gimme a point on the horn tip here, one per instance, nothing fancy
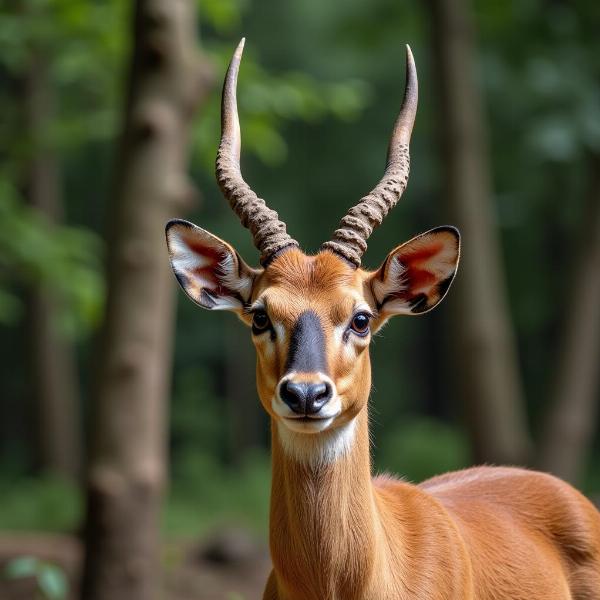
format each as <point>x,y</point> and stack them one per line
<point>410,59</point>
<point>240,47</point>
<point>411,75</point>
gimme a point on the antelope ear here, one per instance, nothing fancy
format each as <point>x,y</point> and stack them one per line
<point>416,275</point>
<point>209,270</point>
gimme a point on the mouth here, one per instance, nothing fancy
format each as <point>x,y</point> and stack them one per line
<point>307,424</point>
<point>309,418</point>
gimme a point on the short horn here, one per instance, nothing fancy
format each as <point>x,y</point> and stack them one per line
<point>268,232</point>
<point>350,239</point>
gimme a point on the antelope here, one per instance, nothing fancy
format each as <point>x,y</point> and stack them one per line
<point>336,533</point>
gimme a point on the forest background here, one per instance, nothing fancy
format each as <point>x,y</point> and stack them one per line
<point>506,147</point>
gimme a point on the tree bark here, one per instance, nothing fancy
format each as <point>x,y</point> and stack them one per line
<point>128,455</point>
<point>53,366</point>
<point>568,432</point>
<point>483,344</point>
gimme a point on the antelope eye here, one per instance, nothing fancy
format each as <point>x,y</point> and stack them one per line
<point>260,321</point>
<point>360,323</point>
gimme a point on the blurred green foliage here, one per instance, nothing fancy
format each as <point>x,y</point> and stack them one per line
<point>319,88</point>
<point>421,447</point>
<point>62,258</point>
<point>42,502</point>
<point>204,494</point>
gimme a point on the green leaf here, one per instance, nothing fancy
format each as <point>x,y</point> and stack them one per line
<point>52,582</point>
<point>23,566</point>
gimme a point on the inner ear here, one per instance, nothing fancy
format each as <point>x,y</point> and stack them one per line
<point>415,276</point>
<point>210,271</point>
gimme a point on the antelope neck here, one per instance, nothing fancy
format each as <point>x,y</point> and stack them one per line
<point>323,521</point>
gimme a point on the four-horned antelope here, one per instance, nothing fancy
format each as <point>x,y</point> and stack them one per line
<point>335,533</point>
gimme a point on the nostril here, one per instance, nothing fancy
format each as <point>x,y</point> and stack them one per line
<point>294,395</point>
<point>318,395</point>
<point>322,391</point>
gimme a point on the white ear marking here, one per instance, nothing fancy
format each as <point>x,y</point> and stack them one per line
<point>182,257</point>
<point>240,283</point>
<point>394,281</point>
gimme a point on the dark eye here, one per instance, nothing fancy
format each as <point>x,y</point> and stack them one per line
<point>260,321</point>
<point>360,323</point>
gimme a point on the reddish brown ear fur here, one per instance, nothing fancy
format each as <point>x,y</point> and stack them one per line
<point>209,270</point>
<point>415,276</point>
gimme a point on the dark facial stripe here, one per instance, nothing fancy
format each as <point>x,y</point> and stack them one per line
<point>307,345</point>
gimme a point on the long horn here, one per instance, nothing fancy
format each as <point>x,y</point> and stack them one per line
<point>350,239</point>
<point>268,232</point>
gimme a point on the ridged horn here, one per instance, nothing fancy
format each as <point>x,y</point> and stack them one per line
<point>268,232</point>
<point>350,239</point>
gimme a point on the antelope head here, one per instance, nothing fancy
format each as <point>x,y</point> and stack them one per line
<point>312,317</point>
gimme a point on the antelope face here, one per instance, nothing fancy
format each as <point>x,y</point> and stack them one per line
<point>310,326</point>
<point>312,317</point>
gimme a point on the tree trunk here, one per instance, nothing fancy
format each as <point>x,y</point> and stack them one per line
<point>53,366</point>
<point>569,430</point>
<point>127,466</point>
<point>482,339</point>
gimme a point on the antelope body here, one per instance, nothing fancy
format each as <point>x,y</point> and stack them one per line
<point>486,533</point>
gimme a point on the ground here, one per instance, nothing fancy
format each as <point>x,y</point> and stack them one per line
<point>228,565</point>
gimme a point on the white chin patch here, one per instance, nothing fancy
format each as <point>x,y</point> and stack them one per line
<point>324,446</point>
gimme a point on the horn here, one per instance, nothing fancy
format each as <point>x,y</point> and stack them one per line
<point>350,239</point>
<point>268,232</point>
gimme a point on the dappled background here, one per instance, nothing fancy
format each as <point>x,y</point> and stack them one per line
<point>506,146</point>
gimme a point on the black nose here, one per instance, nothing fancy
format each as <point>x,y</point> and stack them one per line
<point>305,398</point>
